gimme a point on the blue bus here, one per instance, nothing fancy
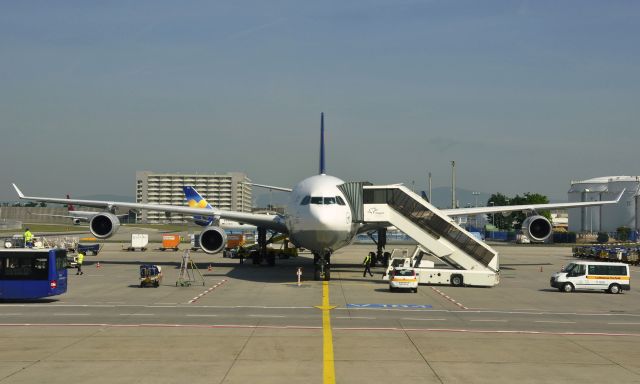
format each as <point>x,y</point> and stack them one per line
<point>30,273</point>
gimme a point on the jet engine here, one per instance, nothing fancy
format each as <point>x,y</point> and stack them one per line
<point>76,221</point>
<point>213,239</point>
<point>536,228</point>
<point>104,225</point>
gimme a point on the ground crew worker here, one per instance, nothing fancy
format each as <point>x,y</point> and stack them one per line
<point>28,238</point>
<point>79,260</point>
<point>241,254</point>
<point>367,264</point>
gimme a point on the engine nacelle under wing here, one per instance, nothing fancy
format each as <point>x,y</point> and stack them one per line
<point>536,228</point>
<point>213,239</point>
<point>104,225</point>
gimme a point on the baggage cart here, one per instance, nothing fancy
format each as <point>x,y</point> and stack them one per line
<point>170,242</point>
<point>138,241</point>
<point>195,241</point>
<point>89,248</point>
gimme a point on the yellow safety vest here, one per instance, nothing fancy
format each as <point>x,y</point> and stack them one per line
<point>28,236</point>
<point>80,258</point>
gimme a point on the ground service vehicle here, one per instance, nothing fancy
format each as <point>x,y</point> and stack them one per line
<point>150,275</point>
<point>29,273</point>
<point>593,276</point>
<point>403,278</point>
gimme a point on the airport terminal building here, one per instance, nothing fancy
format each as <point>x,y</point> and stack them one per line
<point>227,191</point>
<point>606,218</point>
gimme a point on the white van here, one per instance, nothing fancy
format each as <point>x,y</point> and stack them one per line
<point>593,276</point>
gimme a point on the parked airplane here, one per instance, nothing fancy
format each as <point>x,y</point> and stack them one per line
<point>317,217</point>
<point>78,217</point>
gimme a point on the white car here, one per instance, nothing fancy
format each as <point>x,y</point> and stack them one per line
<point>403,278</point>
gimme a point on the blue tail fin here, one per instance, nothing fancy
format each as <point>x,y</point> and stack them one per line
<point>196,201</point>
<point>322,168</point>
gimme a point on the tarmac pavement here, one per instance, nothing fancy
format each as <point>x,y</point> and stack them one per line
<point>253,323</point>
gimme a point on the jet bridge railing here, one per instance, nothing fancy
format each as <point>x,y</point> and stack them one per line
<point>429,221</point>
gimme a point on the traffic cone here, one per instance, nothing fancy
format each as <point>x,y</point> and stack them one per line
<point>98,265</point>
<point>210,268</point>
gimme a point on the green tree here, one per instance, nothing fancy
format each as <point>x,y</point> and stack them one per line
<point>514,219</point>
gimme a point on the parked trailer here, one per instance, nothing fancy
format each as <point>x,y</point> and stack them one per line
<point>170,242</point>
<point>139,241</point>
<point>89,248</point>
<point>195,241</point>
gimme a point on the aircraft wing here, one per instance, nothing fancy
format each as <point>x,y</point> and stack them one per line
<point>273,222</point>
<point>65,216</point>
<point>272,187</point>
<point>527,207</point>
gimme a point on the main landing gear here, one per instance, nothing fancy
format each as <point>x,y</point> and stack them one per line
<point>322,266</point>
<point>262,249</point>
<point>381,256</point>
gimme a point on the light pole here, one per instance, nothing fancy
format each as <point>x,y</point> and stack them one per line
<point>476,194</point>
<point>453,184</point>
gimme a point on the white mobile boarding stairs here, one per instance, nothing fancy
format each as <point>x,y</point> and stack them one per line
<point>471,261</point>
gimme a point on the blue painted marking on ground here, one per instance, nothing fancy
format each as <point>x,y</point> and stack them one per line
<point>397,306</point>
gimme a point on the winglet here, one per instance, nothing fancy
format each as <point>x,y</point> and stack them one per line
<point>20,194</point>
<point>620,195</point>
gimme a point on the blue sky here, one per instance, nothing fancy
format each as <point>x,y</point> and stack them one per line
<point>524,96</point>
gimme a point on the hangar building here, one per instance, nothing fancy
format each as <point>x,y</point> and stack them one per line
<point>606,218</point>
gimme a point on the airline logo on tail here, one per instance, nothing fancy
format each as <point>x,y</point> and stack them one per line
<point>70,207</point>
<point>194,200</point>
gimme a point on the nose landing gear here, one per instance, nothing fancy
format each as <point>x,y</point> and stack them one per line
<point>322,266</point>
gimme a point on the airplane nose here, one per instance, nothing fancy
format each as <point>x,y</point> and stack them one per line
<point>323,219</point>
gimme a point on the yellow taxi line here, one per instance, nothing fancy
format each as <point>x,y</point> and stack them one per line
<point>328,369</point>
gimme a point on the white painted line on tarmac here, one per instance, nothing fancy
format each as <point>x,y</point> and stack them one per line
<point>355,329</point>
<point>417,319</point>
<point>207,291</point>
<point>266,316</point>
<point>623,323</point>
<point>356,317</point>
<point>555,322</point>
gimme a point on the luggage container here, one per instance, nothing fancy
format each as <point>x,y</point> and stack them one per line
<point>170,242</point>
<point>139,241</point>
<point>195,241</point>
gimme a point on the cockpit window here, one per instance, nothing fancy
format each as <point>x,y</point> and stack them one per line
<point>305,200</point>
<point>340,201</point>
<point>316,200</point>
<point>329,200</point>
